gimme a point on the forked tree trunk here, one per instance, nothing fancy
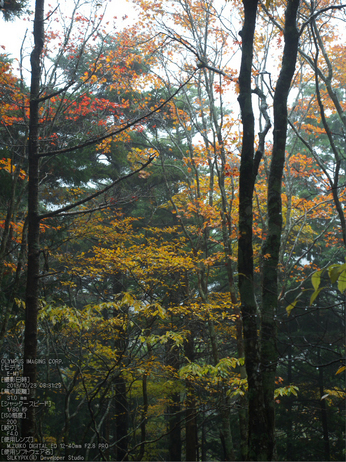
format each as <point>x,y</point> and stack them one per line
<point>271,248</point>
<point>261,354</point>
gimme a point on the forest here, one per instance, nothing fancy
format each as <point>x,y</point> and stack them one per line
<point>173,231</point>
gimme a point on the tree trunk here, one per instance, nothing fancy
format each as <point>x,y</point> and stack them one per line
<point>226,220</point>
<point>32,305</point>
<point>191,428</point>
<point>256,415</point>
<point>323,407</point>
<point>261,356</point>
<point>174,408</point>
<point>121,419</point>
<point>242,400</point>
<point>225,408</point>
<point>226,433</point>
<point>289,433</point>
<point>17,279</point>
<point>191,425</point>
<point>174,428</point>
<point>144,417</point>
<point>271,248</point>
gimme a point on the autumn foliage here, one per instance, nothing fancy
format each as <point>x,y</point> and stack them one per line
<point>139,168</point>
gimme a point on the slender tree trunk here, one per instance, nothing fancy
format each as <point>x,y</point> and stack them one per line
<point>174,428</point>
<point>7,226</point>
<point>203,438</point>
<point>121,403</point>
<point>242,400</point>
<point>225,409</point>
<point>256,416</point>
<point>191,424</point>
<point>271,248</point>
<point>121,419</point>
<point>226,220</point>
<point>226,433</point>
<point>11,298</point>
<point>144,417</point>
<point>191,428</point>
<point>32,305</point>
<point>107,435</point>
<point>174,408</point>
<point>323,407</point>
<point>289,446</point>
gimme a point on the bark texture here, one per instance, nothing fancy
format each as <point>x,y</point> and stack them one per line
<point>121,419</point>
<point>190,413</point>
<point>256,415</point>
<point>261,351</point>
<point>32,303</point>
<point>271,248</point>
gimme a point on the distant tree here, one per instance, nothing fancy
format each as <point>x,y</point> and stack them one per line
<point>12,8</point>
<point>50,102</point>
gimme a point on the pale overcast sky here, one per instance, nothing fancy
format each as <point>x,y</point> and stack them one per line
<point>12,33</point>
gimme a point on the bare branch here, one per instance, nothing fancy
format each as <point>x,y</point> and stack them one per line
<point>317,13</point>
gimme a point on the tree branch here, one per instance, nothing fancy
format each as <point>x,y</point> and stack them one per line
<point>93,196</point>
<point>119,130</point>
